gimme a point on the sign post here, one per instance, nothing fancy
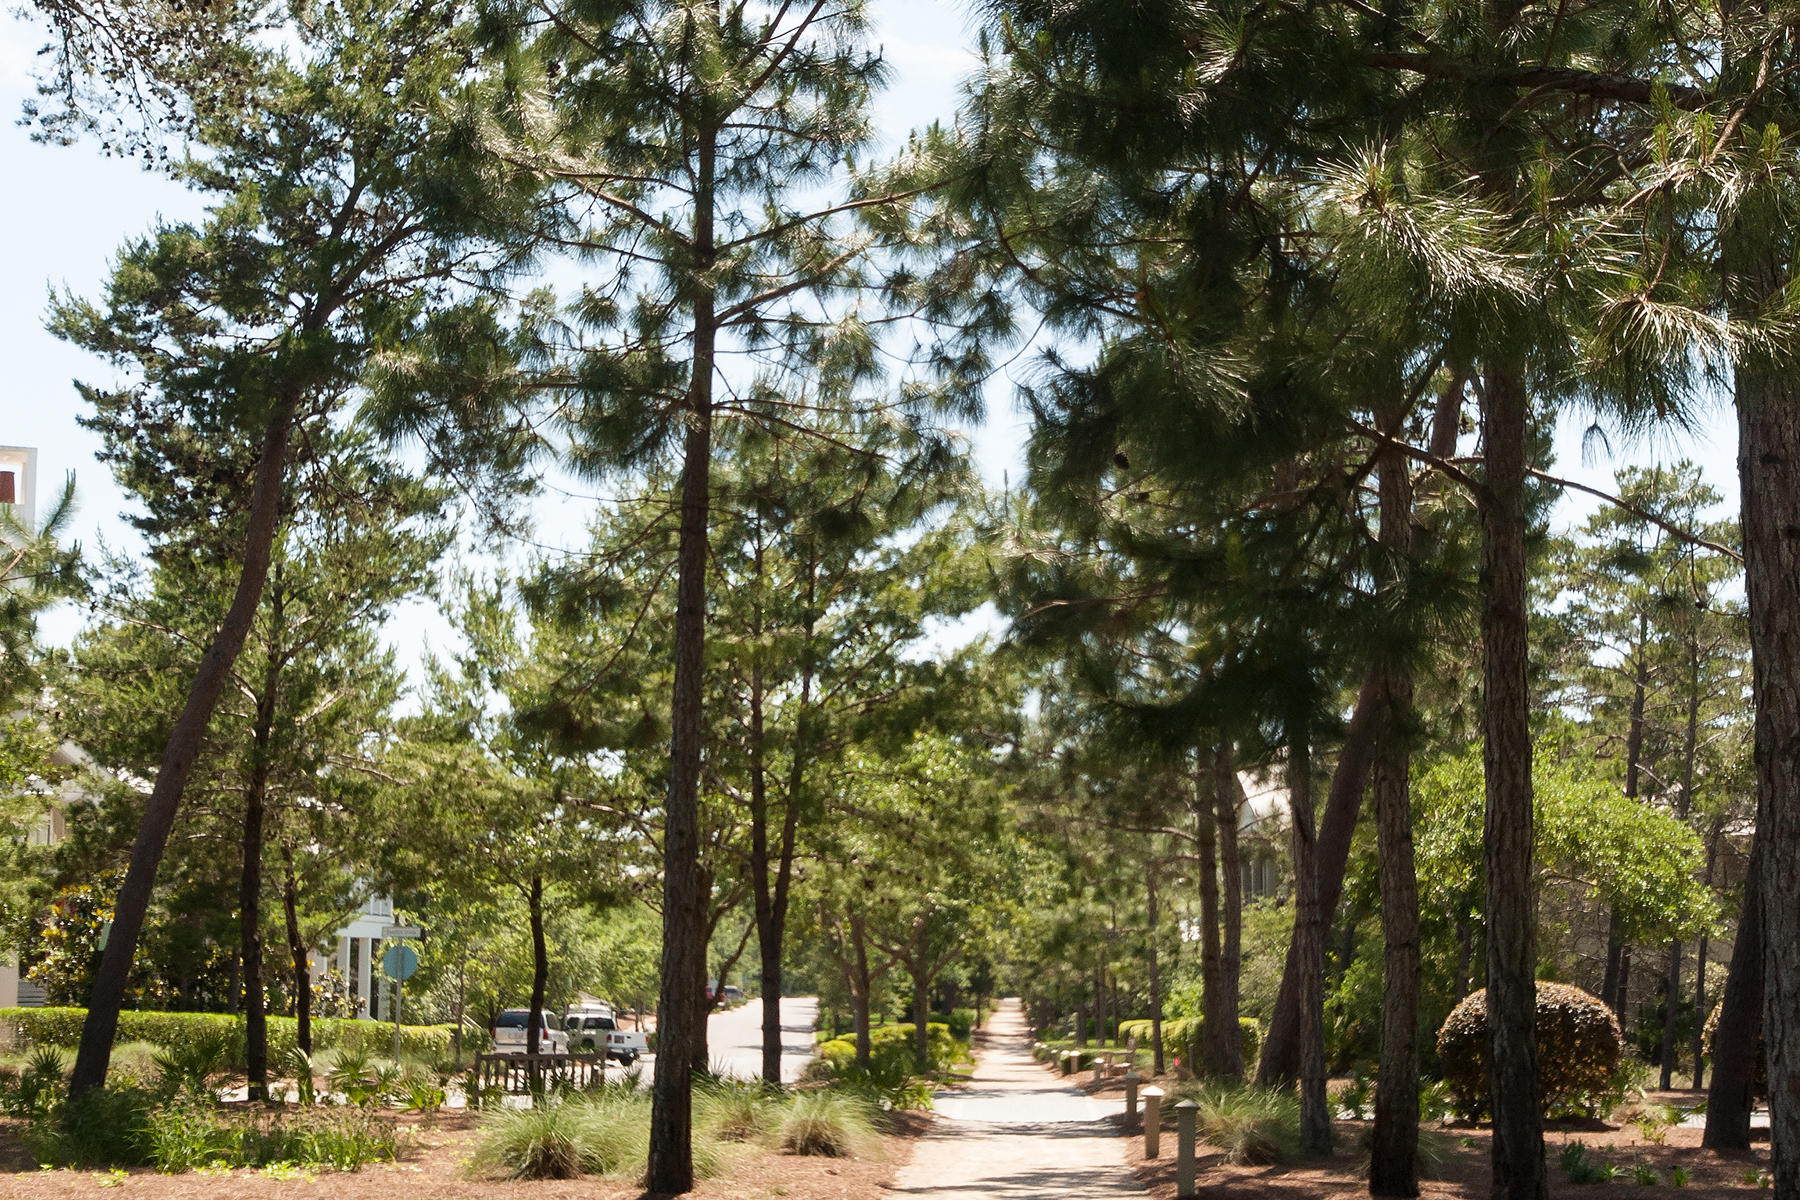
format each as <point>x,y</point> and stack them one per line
<point>399,962</point>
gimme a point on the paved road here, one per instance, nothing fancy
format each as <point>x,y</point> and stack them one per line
<point>734,1038</point>
<point>1017,1133</point>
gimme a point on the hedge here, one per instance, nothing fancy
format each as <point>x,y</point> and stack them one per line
<point>1578,1045</point>
<point>1183,1035</point>
<point>178,1030</point>
<point>891,1051</point>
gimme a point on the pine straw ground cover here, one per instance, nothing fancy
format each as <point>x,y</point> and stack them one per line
<point>431,1167</point>
<point>1464,1173</point>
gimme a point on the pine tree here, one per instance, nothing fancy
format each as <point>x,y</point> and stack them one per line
<point>685,145</point>
<point>338,211</point>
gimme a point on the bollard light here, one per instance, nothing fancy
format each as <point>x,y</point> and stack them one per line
<point>1068,1062</point>
<point>1132,1079</point>
<point>1152,1121</point>
<point>1185,1114</point>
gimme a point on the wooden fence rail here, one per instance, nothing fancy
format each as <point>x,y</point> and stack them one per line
<point>512,1072</point>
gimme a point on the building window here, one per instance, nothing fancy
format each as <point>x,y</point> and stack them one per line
<point>9,492</point>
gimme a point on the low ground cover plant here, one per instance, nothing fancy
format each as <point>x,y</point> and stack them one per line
<point>606,1131</point>
<point>1251,1125</point>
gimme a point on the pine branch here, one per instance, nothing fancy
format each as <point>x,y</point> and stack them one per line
<point>1602,85</point>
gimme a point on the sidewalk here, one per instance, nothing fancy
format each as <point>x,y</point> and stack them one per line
<point>1016,1133</point>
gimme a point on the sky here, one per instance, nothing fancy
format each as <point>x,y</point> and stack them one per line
<point>68,208</point>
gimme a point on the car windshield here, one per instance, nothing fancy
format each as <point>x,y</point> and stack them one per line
<point>516,1018</point>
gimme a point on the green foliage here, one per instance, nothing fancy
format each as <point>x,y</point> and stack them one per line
<point>1249,1124</point>
<point>178,1031</point>
<point>1182,1036</point>
<point>1581,1168</point>
<point>891,1052</point>
<point>1579,1047</point>
<point>565,1138</point>
<point>733,1110</point>
<point>188,1136</point>
<point>828,1122</point>
<point>1635,858</point>
<point>106,1127</point>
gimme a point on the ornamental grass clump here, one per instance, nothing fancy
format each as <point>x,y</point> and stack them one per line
<point>735,1111</point>
<point>606,1133</point>
<point>828,1123</point>
<point>1578,1039</point>
<point>1250,1125</point>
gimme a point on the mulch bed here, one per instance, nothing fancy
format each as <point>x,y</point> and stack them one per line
<point>1465,1175</point>
<point>431,1168</point>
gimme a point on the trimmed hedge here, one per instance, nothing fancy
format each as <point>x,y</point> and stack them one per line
<point>1182,1036</point>
<point>178,1030</point>
<point>891,1051</point>
<point>1578,1042</point>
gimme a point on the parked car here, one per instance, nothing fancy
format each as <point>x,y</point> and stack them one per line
<point>508,1031</point>
<point>591,1028</point>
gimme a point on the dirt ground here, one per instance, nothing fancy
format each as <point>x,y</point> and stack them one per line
<point>1463,1173</point>
<point>431,1168</point>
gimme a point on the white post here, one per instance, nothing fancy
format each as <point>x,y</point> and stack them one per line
<point>363,974</point>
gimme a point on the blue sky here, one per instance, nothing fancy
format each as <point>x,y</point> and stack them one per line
<point>66,210</point>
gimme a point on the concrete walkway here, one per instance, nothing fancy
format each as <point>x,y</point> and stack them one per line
<point>1016,1133</point>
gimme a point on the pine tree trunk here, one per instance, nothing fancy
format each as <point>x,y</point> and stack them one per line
<point>1768,405</point>
<point>921,984</point>
<point>301,955</point>
<point>1734,1046</point>
<point>1231,949</point>
<point>1393,1164</point>
<point>1315,1107</point>
<point>108,995</point>
<point>1609,982</point>
<point>865,996</point>
<point>1212,982</point>
<point>1670,1004</point>
<point>540,981</point>
<point>1156,998</point>
<point>1279,1064</point>
<point>1701,1009</point>
<point>681,1017</point>
<point>1514,1096</point>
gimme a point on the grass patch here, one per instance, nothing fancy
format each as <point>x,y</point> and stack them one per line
<point>834,1124</point>
<point>188,1137</point>
<point>604,1133</point>
<point>1251,1125</point>
<point>734,1111</point>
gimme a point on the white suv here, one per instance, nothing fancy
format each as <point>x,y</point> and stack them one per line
<point>510,1027</point>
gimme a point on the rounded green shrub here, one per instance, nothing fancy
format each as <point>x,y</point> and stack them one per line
<point>1578,1042</point>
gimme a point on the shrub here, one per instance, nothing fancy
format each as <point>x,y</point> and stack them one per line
<point>1578,1049</point>
<point>1182,1035</point>
<point>106,1127</point>
<point>735,1111</point>
<point>1581,1169</point>
<point>1761,1084</point>
<point>1249,1124</point>
<point>176,1030</point>
<point>606,1133</point>
<point>829,1123</point>
<point>959,1020</point>
<point>891,1052</point>
<point>188,1136</point>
